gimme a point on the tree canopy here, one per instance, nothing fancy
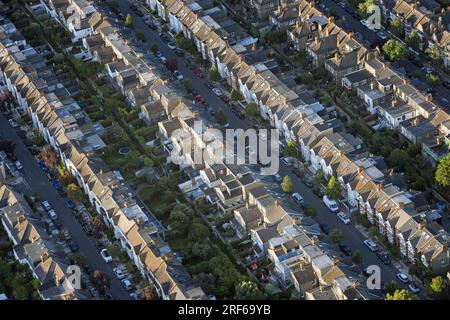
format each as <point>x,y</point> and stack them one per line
<point>394,49</point>
<point>401,294</point>
<point>286,185</point>
<point>442,175</point>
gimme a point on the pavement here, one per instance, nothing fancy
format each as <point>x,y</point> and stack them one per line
<point>38,182</point>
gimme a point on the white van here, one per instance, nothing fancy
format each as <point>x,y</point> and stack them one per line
<point>331,204</point>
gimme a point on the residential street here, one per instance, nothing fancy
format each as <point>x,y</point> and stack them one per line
<point>39,183</point>
<point>352,237</point>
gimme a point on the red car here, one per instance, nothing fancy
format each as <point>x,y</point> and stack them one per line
<point>198,72</point>
<point>225,98</point>
<point>199,99</point>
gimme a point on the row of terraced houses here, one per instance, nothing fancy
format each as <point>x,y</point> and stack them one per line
<point>66,127</point>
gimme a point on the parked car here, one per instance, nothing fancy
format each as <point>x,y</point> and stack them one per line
<point>179,52</point>
<point>297,172</point>
<point>217,91</point>
<point>69,203</point>
<point>331,204</point>
<point>162,59</point>
<point>88,229</point>
<point>308,182</point>
<point>286,161</point>
<point>106,256</point>
<point>298,198</point>
<point>382,35</point>
<point>413,288</point>
<point>371,245</point>
<point>318,191</point>
<point>46,205</point>
<point>177,74</point>
<point>134,296</point>
<point>73,246</point>
<point>325,228</point>
<point>118,273</point>
<point>52,214</point>
<point>384,257</point>
<point>127,284</point>
<point>57,223</point>
<point>13,123</point>
<point>171,45</point>
<point>277,177</point>
<point>18,165</point>
<point>344,218</point>
<point>345,249</point>
<point>209,85</point>
<point>402,277</point>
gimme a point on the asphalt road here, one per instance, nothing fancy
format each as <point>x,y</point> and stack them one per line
<point>39,183</point>
<point>352,237</point>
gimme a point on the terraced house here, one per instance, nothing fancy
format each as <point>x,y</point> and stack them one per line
<point>73,135</point>
<point>35,248</point>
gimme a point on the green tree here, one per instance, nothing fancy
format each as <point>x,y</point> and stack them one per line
<point>221,117</point>
<point>214,73</point>
<point>286,185</point>
<point>394,49</point>
<point>434,53</point>
<point>438,287</point>
<point>433,80</point>
<point>291,149</point>
<point>154,48</point>
<point>396,26</point>
<point>336,236</point>
<point>319,176</point>
<point>305,78</point>
<point>140,36</point>
<point>363,8</point>
<point>399,158</point>
<point>442,175</point>
<point>252,109</point>
<point>235,95</point>
<point>373,231</point>
<point>129,21</point>
<point>401,294</point>
<point>187,83</point>
<point>357,258</point>
<point>180,218</point>
<point>201,250</point>
<point>248,290</point>
<point>198,231</point>
<point>413,41</point>
<point>334,189</point>
<point>74,192</point>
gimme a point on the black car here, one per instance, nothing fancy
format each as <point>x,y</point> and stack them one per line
<point>345,249</point>
<point>209,85</point>
<point>88,268</point>
<point>308,182</point>
<point>179,52</point>
<point>57,223</point>
<point>318,192</point>
<point>384,257</point>
<point>297,172</point>
<point>326,229</point>
<point>446,84</point>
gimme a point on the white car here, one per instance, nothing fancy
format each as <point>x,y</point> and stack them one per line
<point>52,214</point>
<point>331,204</point>
<point>371,245</point>
<point>217,92</point>
<point>13,123</point>
<point>106,256</point>
<point>127,284</point>
<point>162,59</point>
<point>298,198</point>
<point>178,75</point>
<point>134,296</point>
<point>277,177</point>
<point>343,217</point>
<point>171,45</point>
<point>365,23</point>
<point>18,165</point>
<point>402,277</point>
<point>413,288</point>
<point>46,205</point>
<point>119,273</point>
